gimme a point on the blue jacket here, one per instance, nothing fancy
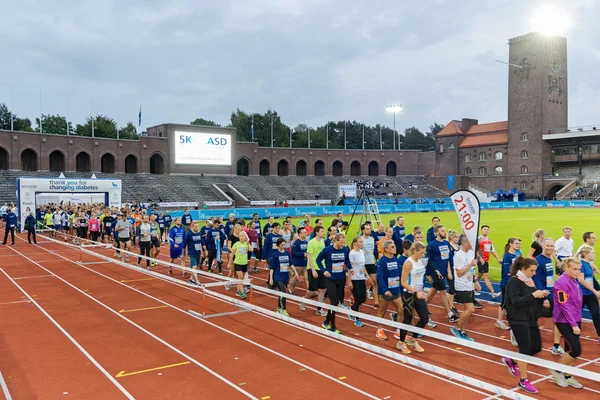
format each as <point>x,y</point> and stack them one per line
<point>335,260</point>
<point>388,275</point>
<point>298,253</point>
<point>194,243</point>
<point>10,219</point>
<point>212,235</point>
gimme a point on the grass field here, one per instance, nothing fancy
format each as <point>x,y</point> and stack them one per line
<point>503,225</point>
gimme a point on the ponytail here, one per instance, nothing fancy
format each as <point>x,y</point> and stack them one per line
<point>520,264</point>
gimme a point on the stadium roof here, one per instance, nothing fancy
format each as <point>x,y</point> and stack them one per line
<point>484,140</point>
<point>492,133</point>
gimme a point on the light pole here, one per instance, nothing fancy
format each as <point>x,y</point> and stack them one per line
<point>394,108</point>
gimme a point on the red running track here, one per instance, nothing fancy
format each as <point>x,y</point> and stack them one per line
<point>220,358</point>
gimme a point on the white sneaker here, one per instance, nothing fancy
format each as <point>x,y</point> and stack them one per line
<point>477,293</point>
<point>495,295</point>
<point>557,351</point>
<point>573,383</point>
<point>559,378</point>
<point>302,306</point>
<point>513,339</point>
<point>322,313</point>
<point>370,294</point>
<point>502,325</point>
<point>431,324</point>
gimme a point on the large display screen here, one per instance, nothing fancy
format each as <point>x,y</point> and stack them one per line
<point>202,148</point>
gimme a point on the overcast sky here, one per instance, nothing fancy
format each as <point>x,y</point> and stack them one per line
<point>311,60</point>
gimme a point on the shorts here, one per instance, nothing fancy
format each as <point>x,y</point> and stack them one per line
<point>389,298</point>
<point>465,296</point>
<point>371,269</point>
<point>437,283</point>
<point>57,227</point>
<point>123,240</point>
<point>451,288</point>
<point>547,312</point>
<point>156,242</point>
<point>316,283</point>
<point>175,253</point>
<point>241,268</point>
<point>483,268</point>
<point>194,260</point>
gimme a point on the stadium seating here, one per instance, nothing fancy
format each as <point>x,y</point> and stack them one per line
<point>198,188</point>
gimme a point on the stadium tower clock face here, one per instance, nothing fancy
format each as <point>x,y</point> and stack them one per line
<point>555,63</point>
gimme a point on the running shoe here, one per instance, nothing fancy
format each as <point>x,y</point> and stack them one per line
<point>370,294</point>
<point>335,330</point>
<point>326,325</point>
<point>476,293</point>
<point>227,286</point>
<point>477,304</point>
<point>241,295</point>
<point>322,313</point>
<point>558,378</point>
<point>502,325</point>
<point>256,270</point>
<point>415,344</point>
<point>345,306</point>
<point>397,334</point>
<point>495,295</point>
<point>380,334</point>
<point>527,386</point>
<point>512,366</point>
<point>126,258</point>
<point>513,339</point>
<point>351,317</point>
<point>453,318</point>
<point>431,324</point>
<point>573,383</point>
<point>153,263</point>
<point>467,337</point>
<point>402,347</point>
<point>283,312</point>
<point>302,307</point>
<point>358,323</point>
<point>420,335</point>
<point>456,332</point>
<point>454,310</point>
<point>170,272</point>
<point>291,291</point>
<point>557,350</point>
<point>394,316</point>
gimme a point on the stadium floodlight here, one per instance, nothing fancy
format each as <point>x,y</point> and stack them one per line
<point>550,21</point>
<point>394,108</point>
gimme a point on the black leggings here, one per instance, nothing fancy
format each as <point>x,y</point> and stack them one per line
<point>359,291</point>
<point>528,338</point>
<point>572,342</point>
<point>94,235</point>
<point>591,302</point>
<point>145,251</point>
<point>410,304</point>
<point>82,232</point>
<point>30,233</point>
<point>335,292</point>
<point>281,285</point>
<point>12,234</point>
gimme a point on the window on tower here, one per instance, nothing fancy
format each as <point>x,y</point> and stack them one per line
<point>482,171</point>
<point>468,171</point>
<point>498,170</point>
<point>482,156</point>
<point>524,155</point>
<point>498,155</point>
<point>524,137</point>
<point>523,185</point>
<point>524,169</point>
<point>468,158</point>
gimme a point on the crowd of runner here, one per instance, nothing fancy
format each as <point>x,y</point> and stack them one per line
<point>384,265</point>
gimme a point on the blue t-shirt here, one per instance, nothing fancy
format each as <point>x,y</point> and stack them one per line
<point>194,243</point>
<point>335,260</point>
<point>388,275</point>
<point>410,237</point>
<point>588,275</point>
<point>298,253</point>
<point>439,255</point>
<point>430,235</point>
<point>279,262</point>
<point>507,260</point>
<point>377,236</point>
<point>270,244</point>
<point>214,238</point>
<point>168,219</point>
<point>176,237</point>
<point>398,237</point>
<point>401,260</point>
<point>186,220</point>
<point>544,275</point>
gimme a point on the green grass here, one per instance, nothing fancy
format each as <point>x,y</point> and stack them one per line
<point>503,225</point>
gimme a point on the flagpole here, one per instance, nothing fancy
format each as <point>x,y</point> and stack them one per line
<point>307,127</point>
<point>117,120</point>
<point>11,109</point>
<point>344,135</point>
<point>272,131</point>
<point>252,128</point>
<point>380,139</point>
<point>363,136</point>
<point>92,117</point>
<point>327,137</point>
<point>41,128</point>
<point>290,137</point>
<point>67,116</point>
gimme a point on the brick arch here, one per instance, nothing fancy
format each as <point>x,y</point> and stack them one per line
<point>29,163</point>
<point>353,167</point>
<point>83,163</point>
<point>57,160</point>
<point>243,166</point>
<point>158,169</point>
<point>108,163</point>
<point>301,160</point>
<point>337,168</point>
<point>317,168</point>
<point>4,158</point>
<point>129,166</point>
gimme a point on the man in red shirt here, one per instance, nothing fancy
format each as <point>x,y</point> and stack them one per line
<point>486,248</point>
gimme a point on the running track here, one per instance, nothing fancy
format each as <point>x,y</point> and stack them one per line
<point>102,331</point>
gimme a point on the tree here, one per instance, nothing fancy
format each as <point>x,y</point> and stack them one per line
<point>128,132</point>
<point>414,139</point>
<point>104,127</point>
<point>19,124</point>
<point>435,129</point>
<point>54,124</point>
<point>204,122</point>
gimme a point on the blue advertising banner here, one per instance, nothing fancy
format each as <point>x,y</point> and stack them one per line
<point>451,182</point>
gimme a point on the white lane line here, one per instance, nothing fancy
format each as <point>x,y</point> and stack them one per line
<point>4,387</point>
<point>193,360</point>
<point>31,277</point>
<point>230,332</point>
<point>88,355</point>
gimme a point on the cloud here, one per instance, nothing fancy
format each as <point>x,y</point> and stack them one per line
<point>311,60</point>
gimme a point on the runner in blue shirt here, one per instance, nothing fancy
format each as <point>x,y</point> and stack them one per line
<point>194,243</point>
<point>337,262</point>
<point>399,233</point>
<point>438,251</point>
<point>299,258</point>
<point>510,255</point>
<point>271,240</point>
<point>431,232</point>
<point>177,242</point>
<point>214,243</point>
<point>388,284</point>
<point>279,273</point>
<point>168,220</point>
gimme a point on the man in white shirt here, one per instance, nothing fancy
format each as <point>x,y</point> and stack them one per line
<point>464,271</point>
<point>564,248</point>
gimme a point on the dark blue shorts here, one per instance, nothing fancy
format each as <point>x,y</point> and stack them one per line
<point>175,253</point>
<point>439,284</point>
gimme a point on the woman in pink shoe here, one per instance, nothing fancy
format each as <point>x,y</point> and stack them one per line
<point>523,306</point>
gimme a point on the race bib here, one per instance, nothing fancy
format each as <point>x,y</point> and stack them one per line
<point>198,246</point>
<point>284,267</point>
<point>337,267</point>
<point>487,247</point>
<point>254,245</point>
<point>444,252</point>
<point>550,281</point>
<point>590,280</point>
<point>178,240</point>
<point>393,282</point>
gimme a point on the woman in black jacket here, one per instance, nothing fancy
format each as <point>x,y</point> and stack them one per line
<point>30,227</point>
<point>523,305</point>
